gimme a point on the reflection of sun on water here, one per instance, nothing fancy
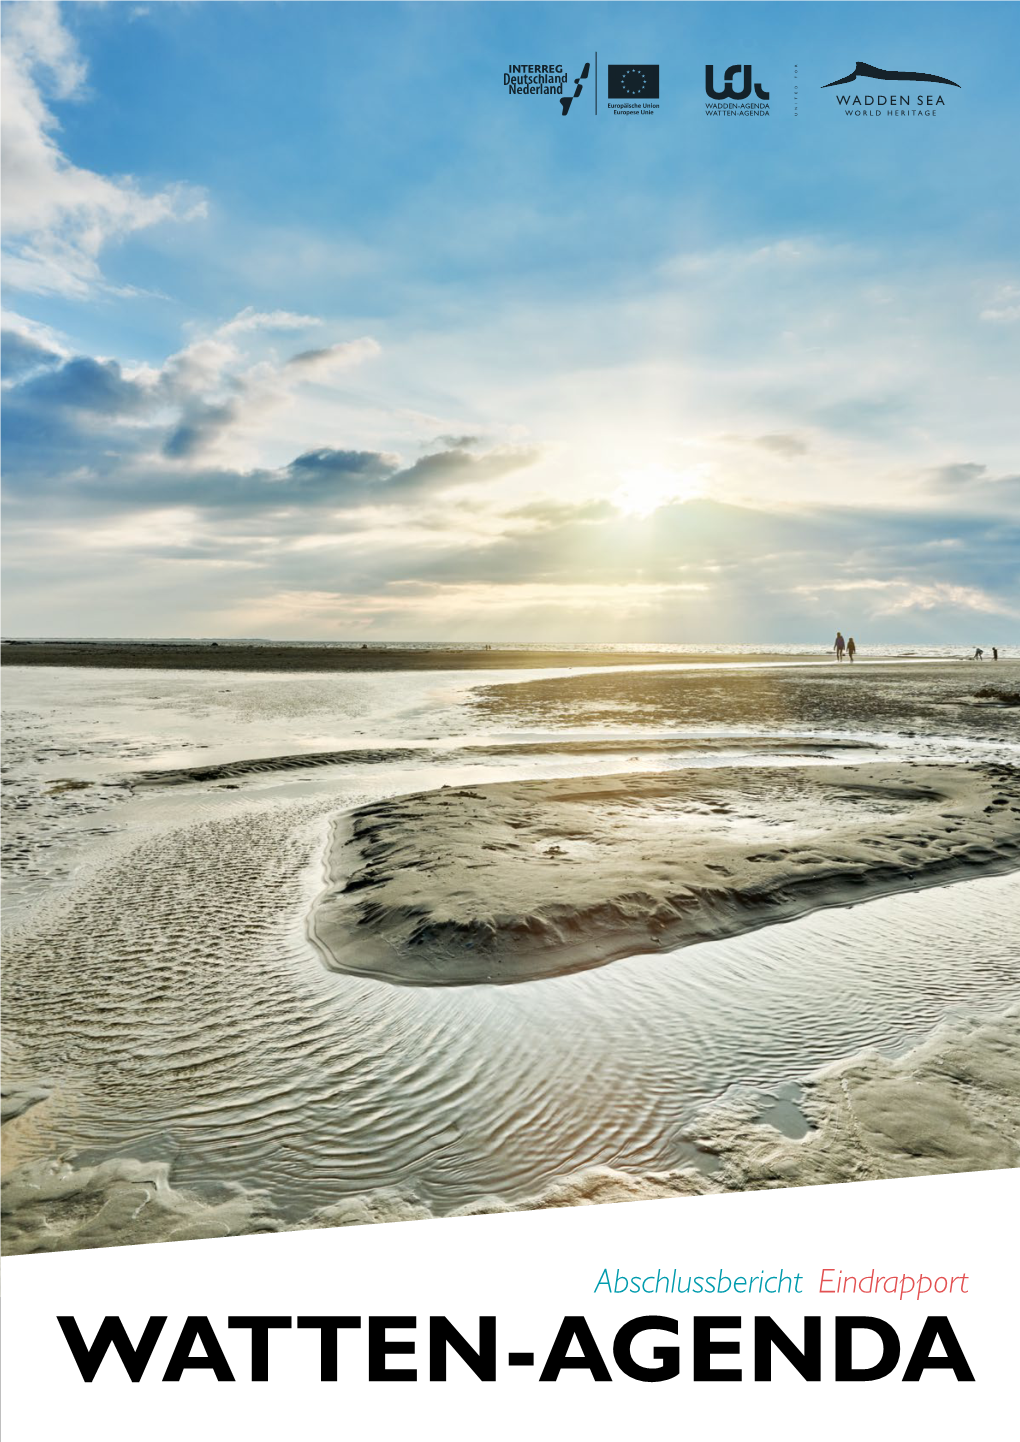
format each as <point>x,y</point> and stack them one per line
<point>645,490</point>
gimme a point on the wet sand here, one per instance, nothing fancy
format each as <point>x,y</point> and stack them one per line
<point>518,880</point>
<point>933,698</point>
<point>950,1104</point>
<point>225,656</point>
<point>182,1063</point>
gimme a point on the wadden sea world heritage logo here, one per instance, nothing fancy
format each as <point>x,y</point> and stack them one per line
<point>889,94</point>
<point>739,94</point>
<point>632,90</point>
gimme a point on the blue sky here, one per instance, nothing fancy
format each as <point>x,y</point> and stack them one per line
<point>312,330</point>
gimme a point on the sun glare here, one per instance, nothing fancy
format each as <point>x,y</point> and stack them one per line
<point>645,490</point>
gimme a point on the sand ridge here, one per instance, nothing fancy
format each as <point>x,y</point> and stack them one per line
<point>373,755</point>
<point>517,880</point>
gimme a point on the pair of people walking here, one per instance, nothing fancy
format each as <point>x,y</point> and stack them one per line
<point>842,647</point>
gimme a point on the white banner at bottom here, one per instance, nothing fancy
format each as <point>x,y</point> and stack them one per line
<point>871,1309</point>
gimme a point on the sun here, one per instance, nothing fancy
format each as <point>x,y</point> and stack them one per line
<point>644,490</point>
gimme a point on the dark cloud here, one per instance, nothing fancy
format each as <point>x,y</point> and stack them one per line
<point>71,419</point>
<point>36,448</point>
<point>560,513</point>
<point>962,473</point>
<point>84,384</point>
<point>782,445</point>
<point>457,443</point>
<point>353,478</point>
<point>311,488</point>
<point>369,465</point>
<point>312,357</point>
<point>459,467</point>
<point>200,426</point>
<point>72,462</point>
<point>973,487</point>
<point>303,495</point>
<point>21,354</point>
<point>315,359</point>
<point>326,357</point>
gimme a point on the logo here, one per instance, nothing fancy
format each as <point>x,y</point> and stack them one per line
<point>891,105</point>
<point>728,92</point>
<point>521,79</point>
<point>534,79</point>
<point>872,72</point>
<point>565,100</point>
<point>633,82</point>
<point>733,99</point>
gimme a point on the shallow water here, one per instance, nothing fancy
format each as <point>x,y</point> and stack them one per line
<point>160,984</point>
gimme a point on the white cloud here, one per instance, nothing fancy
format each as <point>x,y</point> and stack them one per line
<point>227,397</point>
<point>57,215</point>
<point>424,606</point>
<point>43,336</point>
<point>1006,307</point>
<point>252,319</point>
<point>28,348</point>
<point>216,399</point>
<point>335,357</point>
<point>892,597</point>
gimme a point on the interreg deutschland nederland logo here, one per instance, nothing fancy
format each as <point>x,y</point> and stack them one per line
<point>735,96</point>
<point>881,101</point>
<point>545,80</point>
<point>535,79</point>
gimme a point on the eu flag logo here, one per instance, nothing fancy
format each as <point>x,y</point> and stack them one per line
<point>633,82</point>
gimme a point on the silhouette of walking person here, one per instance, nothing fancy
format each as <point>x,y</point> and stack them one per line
<point>839,646</point>
<point>851,649</point>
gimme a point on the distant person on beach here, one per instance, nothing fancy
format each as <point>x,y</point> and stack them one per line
<point>851,648</point>
<point>978,654</point>
<point>839,646</point>
<point>995,653</point>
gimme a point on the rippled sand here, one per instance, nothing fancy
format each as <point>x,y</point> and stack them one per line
<point>179,1062</point>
